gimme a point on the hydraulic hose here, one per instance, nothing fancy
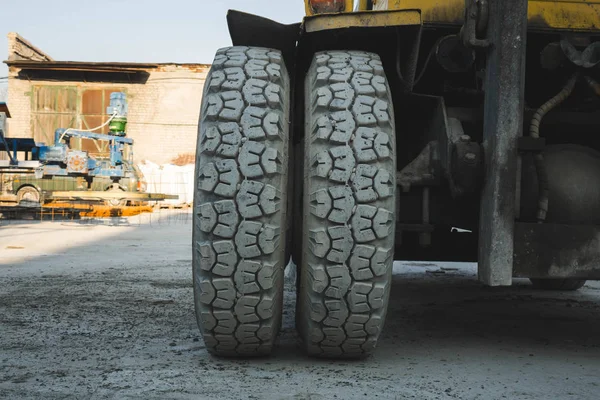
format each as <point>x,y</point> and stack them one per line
<point>593,84</point>
<point>87,130</point>
<point>428,59</point>
<point>534,132</point>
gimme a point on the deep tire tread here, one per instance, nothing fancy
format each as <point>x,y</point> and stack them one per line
<point>349,189</point>
<point>240,217</point>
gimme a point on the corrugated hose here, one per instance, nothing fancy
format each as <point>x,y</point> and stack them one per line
<point>534,132</point>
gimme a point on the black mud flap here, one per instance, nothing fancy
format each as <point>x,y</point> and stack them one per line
<point>252,30</point>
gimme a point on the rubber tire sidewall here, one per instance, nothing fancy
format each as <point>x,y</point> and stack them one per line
<point>348,206</point>
<point>27,189</point>
<point>240,201</point>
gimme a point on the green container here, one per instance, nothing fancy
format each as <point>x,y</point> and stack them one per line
<point>117,126</point>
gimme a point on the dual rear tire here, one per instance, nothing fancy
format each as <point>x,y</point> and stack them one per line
<point>241,216</point>
<point>240,213</point>
<point>348,205</point>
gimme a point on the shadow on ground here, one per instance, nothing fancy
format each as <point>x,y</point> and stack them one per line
<point>113,318</point>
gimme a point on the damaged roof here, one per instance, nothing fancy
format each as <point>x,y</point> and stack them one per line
<point>81,65</point>
<point>24,55</point>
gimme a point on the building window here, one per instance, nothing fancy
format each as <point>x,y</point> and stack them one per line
<point>93,108</point>
<point>71,107</point>
<point>53,107</point>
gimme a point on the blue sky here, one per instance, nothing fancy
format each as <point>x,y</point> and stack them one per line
<point>132,30</point>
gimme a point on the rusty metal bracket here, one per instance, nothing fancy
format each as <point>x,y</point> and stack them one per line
<point>465,166</point>
<point>475,26</point>
<point>420,171</point>
<point>365,19</point>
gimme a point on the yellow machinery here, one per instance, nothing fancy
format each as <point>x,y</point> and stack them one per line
<point>542,14</point>
<point>379,130</point>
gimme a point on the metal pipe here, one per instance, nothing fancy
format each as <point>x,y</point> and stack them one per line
<point>502,125</point>
<point>58,136</point>
<point>534,131</point>
<point>425,237</point>
<point>425,211</point>
<point>518,188</point>
<point>399,60</point>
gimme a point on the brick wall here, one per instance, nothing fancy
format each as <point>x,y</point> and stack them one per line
<point>163,112</point>
<point>19,104</point>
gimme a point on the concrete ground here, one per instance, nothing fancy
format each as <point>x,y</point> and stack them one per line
<point>104,310</point>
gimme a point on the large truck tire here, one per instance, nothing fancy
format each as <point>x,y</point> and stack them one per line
<point>28,195</point>
<point>348,208</point>
<point>558,284</point>
<point>240,209</point>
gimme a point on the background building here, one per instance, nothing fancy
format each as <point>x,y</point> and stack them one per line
<point>164,100</point>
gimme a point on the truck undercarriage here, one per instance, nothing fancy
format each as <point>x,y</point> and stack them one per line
<point>469,139</point>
